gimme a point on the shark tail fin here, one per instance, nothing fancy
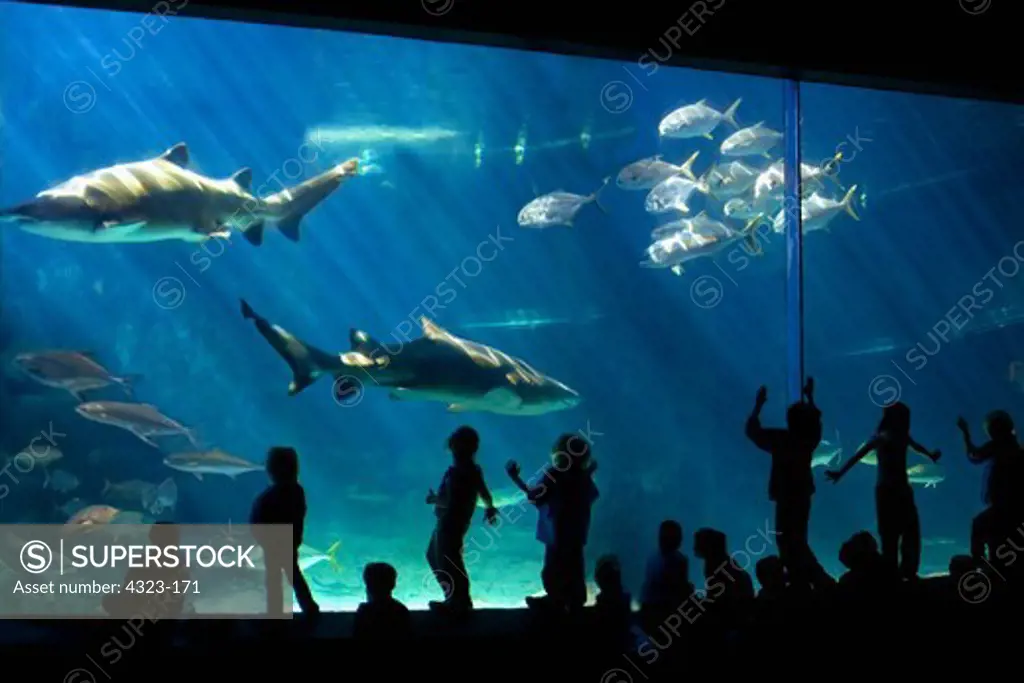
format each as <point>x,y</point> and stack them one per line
<point>106,487</point>
<point>597,195</point>
<point>332,556</point>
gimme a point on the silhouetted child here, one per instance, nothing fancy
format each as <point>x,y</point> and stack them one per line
<point>899,527</point>
<point>1001,455</point>
<point>772,577</point>
<point>381,616</point>
<point>791,484</point>
<point>729,588</point>
<point>454,504</point>
<point>564,498</point>
<point>283,502</point>
<point>667,577</point>
<point>613,603</point>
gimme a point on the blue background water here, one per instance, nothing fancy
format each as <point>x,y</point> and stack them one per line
<point>667,366</point>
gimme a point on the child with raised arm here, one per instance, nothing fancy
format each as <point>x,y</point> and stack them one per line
<point>1002,456</point>
<point>564,498</point>
<point>791,484</point>
<point>899,527</point>
<point>454,504</point>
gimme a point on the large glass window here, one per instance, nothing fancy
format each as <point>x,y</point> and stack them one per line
<point>919,300</point>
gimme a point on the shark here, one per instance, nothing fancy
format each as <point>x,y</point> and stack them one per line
<point>160,199</point>
<point>465,375</point>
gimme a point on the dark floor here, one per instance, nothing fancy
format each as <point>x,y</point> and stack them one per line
<point>926,629</point>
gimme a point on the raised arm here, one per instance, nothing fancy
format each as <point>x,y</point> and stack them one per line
<point>761,437</point>
<point>974,454</point>
<point>532,493</point>
<point>934,455</point>
<point>836,475</point>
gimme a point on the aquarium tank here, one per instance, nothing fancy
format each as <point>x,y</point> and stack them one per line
<point>530,244</point>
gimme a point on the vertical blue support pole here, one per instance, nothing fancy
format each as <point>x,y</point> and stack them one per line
<point>794,245</point>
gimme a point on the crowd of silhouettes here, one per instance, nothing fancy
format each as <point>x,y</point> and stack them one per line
<point>564,494</point>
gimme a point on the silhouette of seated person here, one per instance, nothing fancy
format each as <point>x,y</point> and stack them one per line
<point>667,583</point>
<point>155,593</point>
<point>791,484</point>
<point>283,503</point>
<point>868,575</point>
<point>771,598</point>
<point>1003,488</point>
<point>381,616</point>
<point>729,590</point>
<point>613,605</point>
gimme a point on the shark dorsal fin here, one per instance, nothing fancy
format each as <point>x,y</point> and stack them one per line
<point>243,178</point>
<point>702,102</point>
<point>177,155</point>
<point>432,330</point>
<point>363,343</point>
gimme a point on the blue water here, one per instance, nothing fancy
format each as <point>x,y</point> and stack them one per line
<point>667,366</point>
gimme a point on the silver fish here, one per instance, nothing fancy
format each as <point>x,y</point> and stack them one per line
<point>557,208</point>
<point>646,173</point>
<point>696,120</point>
<point>73,371</point>
<point>672,195</point>
<point>756,140</point>
<point>141,419</point>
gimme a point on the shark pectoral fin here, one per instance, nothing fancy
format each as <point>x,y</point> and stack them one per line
<point>709,136</point>
<point>254,233</point>
<point>289,226</point>
<point>397,394</point>
<point>198,476</point>
<point>677,270</point>
<point>457,408</point>
<point>502,396</point>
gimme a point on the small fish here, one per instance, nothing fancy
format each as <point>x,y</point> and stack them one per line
<point>756,140</point>
<point>672,195</point>
<point>73,371</point>
<point>557,208</point>
<point>310,556</point>
<point>133,491</point>
<point>141,419</point>
<point>646,173</point>
<point>161,498</point>
<point>930,474</point>
<point>772,181</point>
<point>696,120</point>
<point>61,481</point>
<point>213,461</point>
<point>92,516</point>
<point>42,455</point>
